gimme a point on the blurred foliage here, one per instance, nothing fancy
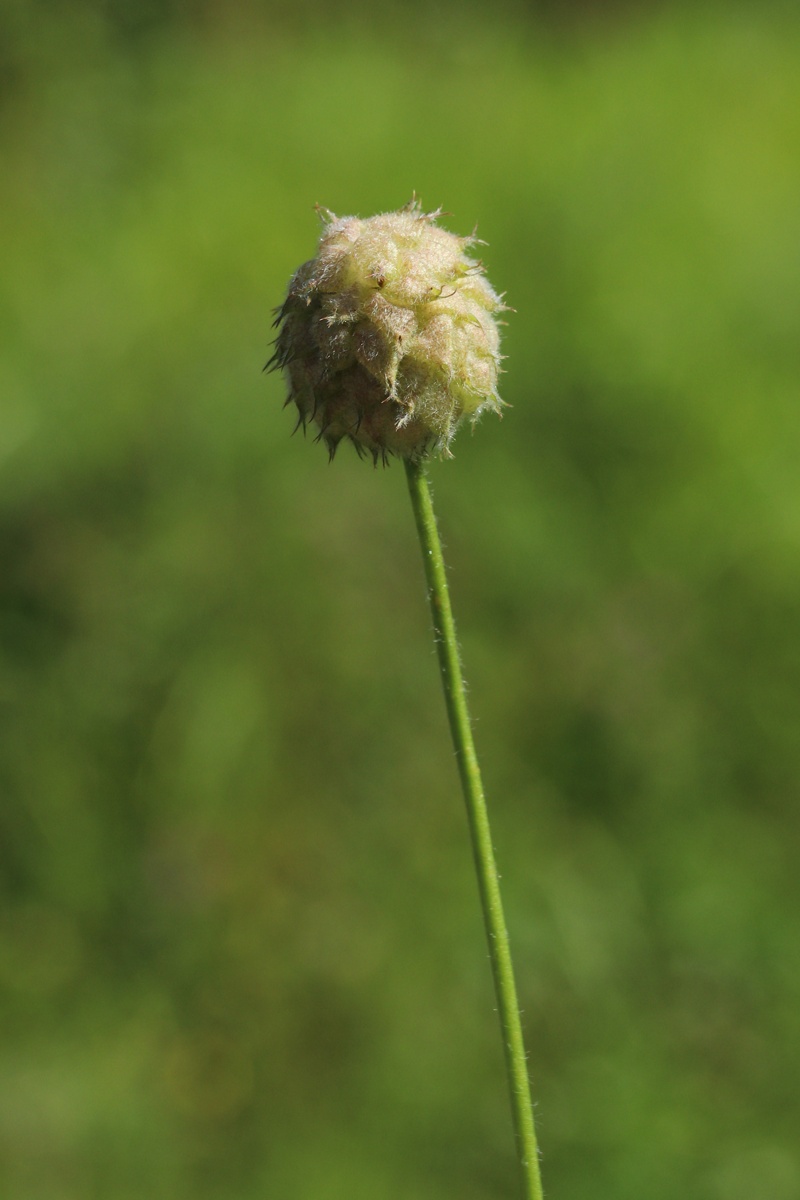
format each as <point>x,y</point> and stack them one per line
<point>240,948</point>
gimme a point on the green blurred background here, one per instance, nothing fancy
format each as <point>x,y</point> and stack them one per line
<point>241,954</point>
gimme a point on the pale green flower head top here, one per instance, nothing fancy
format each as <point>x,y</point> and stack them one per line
<point>389,336</point>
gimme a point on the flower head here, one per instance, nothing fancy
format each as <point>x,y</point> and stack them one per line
<point>388,337</point>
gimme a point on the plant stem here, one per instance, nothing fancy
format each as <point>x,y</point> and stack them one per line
<point>480,832</point>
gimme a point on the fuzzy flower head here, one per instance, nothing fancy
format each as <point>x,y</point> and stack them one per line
<point>388,337</point>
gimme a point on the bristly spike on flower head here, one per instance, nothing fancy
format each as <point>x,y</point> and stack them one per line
<point>389,335</point>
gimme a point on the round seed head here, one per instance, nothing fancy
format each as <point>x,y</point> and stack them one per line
<point>388,337</point>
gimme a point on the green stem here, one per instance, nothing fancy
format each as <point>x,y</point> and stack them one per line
<point>480,832</point>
